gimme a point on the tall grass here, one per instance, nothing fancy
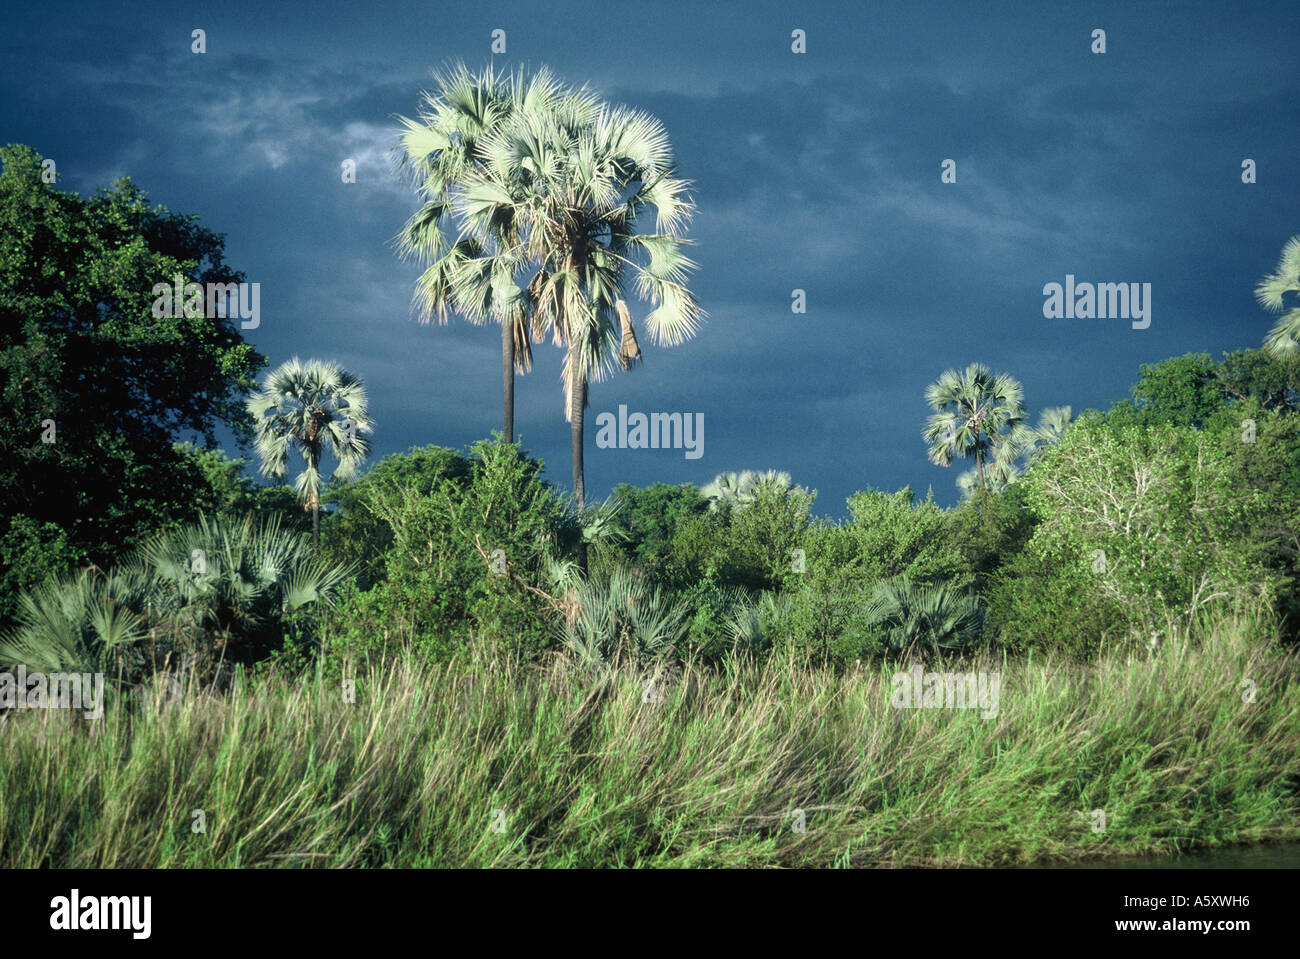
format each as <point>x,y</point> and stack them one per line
<point>585,772</point>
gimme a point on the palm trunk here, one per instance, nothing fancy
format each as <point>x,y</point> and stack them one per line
<point>313,497</point>
<point>577,408</point>
<point>508,377</point>
<point>979,466</point>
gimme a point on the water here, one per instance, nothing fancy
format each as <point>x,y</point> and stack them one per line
<point>1273,856</point>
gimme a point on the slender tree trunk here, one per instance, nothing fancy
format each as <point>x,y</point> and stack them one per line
<point>577,410</point>
<point>314,496</point>
<point>979,465</point>
<point>508,377</point>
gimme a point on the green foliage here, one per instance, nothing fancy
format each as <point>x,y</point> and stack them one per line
<point>624,615</point>
<point>441,588</point>
<point>79,345</point>
<point>1183,391</point>
<point>1174,522</point>
<point>31,552</point>
<point>353,534</point>
<point>747,542</point>
<point>989,531</point>
<point>893,535</point>
<point>651,518</point>
<point>923,619</point>
<point>216,591</point>
<point>1272,380</point>
<point>226,489</point>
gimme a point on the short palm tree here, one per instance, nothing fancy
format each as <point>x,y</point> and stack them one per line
<point>739,489</point>
<point>622,614</point>
<point>193,592</point>
<point>313,407</point>
<point>1052,424</point>
<point>977,415</point>
<point>1284,338</point>
<point>911,617</point>
<point>574,181</point>
<point>475,276</point>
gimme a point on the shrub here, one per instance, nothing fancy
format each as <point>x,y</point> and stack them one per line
<point>444,581</point>
<point>1147,523</point>
<point>218,590</point>
<point>918,619</point>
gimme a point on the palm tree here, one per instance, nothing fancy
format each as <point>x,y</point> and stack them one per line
<point>739,489</point>
<point>976,414</point>
<point>314,407</point>
<point>1284,338</point>
<point>472,275</point>
<point>156,600</point>
<point>912,617</point>
<point>1002,470</point>
<point>573,180</point>
<point>1052,424</point>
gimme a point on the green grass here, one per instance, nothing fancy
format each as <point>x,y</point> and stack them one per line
<point>289,774</point>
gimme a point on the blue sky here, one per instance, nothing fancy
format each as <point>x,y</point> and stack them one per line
<point>818,171</point>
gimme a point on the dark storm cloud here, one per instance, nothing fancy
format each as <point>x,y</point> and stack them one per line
<point>818,172</point>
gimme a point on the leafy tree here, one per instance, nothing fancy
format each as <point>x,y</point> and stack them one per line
<point>227,489</point>
<point>1154,516</point>
<point>313,408</point>
<point>80,346</point>
<point>1183,391</point>
<point>976,415</point>
<point>1273,380</point>
<point>445,584</point>
<point>651,518</point>
<point>988,531</point>
<point>354,534</point>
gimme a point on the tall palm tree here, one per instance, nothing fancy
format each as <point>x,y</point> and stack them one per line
<point>475,276</point>
<point>573,181</point>
<point>313,407</point>
<point>976,415</point>
<point>1284,338</point>
<point>1002,468</point>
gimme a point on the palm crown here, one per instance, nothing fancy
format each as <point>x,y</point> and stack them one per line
<point>978,414</point>
<point>475,273</point>
<point>1284,338</point>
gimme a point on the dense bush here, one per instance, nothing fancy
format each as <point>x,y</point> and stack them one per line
<point>1142,527</point>
<point>444,581</point>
